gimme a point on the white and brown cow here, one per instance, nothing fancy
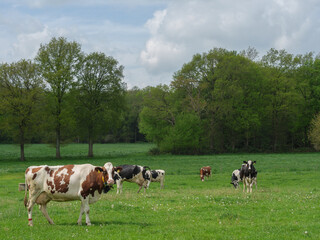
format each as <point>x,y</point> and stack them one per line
<point>248,174</point>
<point>66,183</point>
<point>134,174</point>
<point>205,172</point>
<point>156,176</point>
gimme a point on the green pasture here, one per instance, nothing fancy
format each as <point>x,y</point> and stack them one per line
<point>286,204</point>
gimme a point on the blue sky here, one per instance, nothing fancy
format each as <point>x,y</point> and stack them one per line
<point>153,38</point>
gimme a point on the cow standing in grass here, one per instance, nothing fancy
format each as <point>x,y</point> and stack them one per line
<point>156,176</point>
<point>205,172</point>
<point>134,174</point>
<point>67,183</point>
<point>235,178</point>
<point>248,174</point>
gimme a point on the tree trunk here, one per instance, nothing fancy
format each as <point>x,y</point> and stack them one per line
<point>58,143</point>
<point>90,152</point>
<point>22,158</point>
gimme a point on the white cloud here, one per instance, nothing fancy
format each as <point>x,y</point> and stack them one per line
<point>181,30</point>
<point>151,50</point>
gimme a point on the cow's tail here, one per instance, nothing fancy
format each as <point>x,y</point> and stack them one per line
<point>25,192</point>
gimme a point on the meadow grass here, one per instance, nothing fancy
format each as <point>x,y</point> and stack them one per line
<point>286,204</point>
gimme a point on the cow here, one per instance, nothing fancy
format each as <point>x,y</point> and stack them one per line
<point>205,172</point>
<point>134,174</point>
<point>235,178</point>
<point>248,174</point>
<point>66,183</point>
<point>156,176</point>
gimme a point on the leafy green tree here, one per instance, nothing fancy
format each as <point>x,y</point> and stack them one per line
<point>238,99</point>
<point>129,131</point>
<point>59,62</point>
<point>314,132</point>
<point>99,95</point>
<point>157,115</point>
<point>20,91</point>
<point>280,67</point>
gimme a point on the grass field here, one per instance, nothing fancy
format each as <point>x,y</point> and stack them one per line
<point>286,204</point>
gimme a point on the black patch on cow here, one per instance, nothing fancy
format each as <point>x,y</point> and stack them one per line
<point>234,178</point>
<point>129,171</point>
<point>154,174</point>
<point>245,172</point>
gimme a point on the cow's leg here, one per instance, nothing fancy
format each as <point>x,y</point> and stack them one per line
<point>121,185</point>
<point>43,208</point>
<point>84,209</point>
<point>139,188</point>
<point>30,207</point>
<point>244,185</point>
<point>81,213</point>
<point>161,183</point>
<point>87,211</point>
<point>32,200</point>
<point>118,186</point>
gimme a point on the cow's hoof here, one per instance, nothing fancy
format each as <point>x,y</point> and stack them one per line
<point>79,223</point>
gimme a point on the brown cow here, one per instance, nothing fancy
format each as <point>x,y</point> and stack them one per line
<point>205,172</point>
<point>66,183</point>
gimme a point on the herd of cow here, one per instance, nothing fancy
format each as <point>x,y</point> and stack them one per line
<point>246,174</point>
<point>87,182</point>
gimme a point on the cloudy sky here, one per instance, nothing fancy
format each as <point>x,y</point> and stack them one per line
<point>153,38</point>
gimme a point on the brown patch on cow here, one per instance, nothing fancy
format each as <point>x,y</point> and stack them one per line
<point>27,170</point>
<point>34,176</point>
<point>62,179</point>
<point>92,183</point>
<point>34,170</point>
<point>50,186</point>
<point>49,171</point>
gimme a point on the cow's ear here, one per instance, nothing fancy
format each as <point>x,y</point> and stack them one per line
<point>245,162</point>
<point>99,169</point>
<point>117,169</point>
<point>254,162</point>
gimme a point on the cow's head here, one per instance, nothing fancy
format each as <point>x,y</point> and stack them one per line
<point>148,176</point>
<point>235,184</point>
<point>107,173</point>
<point>250,166</point>
<point>116,173</point>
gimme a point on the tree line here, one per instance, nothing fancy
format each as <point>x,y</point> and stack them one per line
<point>228,101</point>
<point>220,101</point>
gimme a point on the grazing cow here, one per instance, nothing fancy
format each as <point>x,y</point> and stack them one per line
<point>156,176</point>
<point>66,183</point>
<point>134,174</point>
<point>248,174</point>
<point>235,178</point>
<point>205,172</point>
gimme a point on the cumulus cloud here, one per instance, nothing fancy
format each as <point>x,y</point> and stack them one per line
<point>166,34</point>
<point>181,30</point>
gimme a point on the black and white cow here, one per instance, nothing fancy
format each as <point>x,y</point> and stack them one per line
<point>248,174</point>
<point>134,174</point>
<point>235,178</point>
<point>156,176</point>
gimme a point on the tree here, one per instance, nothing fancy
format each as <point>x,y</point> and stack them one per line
<point>59,61</point>
<point>20,91</point>
<point>99,95</point>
